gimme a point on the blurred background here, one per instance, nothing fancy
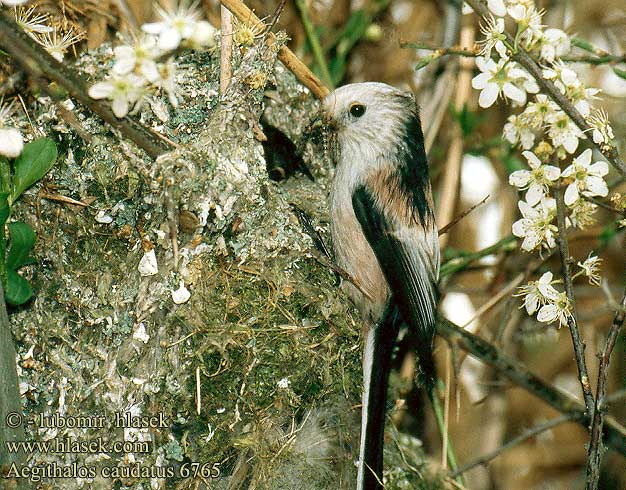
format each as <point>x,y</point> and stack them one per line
<point>376,40</point>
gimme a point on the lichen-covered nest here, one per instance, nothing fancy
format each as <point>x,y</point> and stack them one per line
<point>259,371</point>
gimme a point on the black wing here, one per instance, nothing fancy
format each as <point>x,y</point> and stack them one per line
<point>410,267</point>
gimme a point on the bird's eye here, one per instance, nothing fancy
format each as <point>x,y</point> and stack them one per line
<point>357,110</point>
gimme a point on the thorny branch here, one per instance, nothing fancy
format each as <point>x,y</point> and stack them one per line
<point>549,88</point>
<point>40,65</point>
<point>572,320</point>
<point>594,454</point>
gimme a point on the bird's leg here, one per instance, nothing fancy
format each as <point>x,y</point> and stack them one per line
<point>379,342</point>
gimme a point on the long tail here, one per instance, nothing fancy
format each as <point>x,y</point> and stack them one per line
<point>377,355</point>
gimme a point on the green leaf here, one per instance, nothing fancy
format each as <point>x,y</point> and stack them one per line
<point>35,160</point>
<point>583,44</point>
<point>5,175</point>
<point>5,210</point>
<point>22,239</point>
<point>620,73</point>
<point>17,290</point>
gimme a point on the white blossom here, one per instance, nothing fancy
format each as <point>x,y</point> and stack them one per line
<point>588,179</point>
<point>138,57</point>
<point>167,81</point>
<point>557,309</point>
<point>178,25</point>
<point>31,20</point>
<point>563,132</point>
<point>497,7</point>
<point>57,43</point>
<point>517,130</point>
<point>528,20</point>
<point>536,180</point>
<point>602,133</point>
<point>537,112</point>
<point>536,224</point>
<point>123,90</point>
<point>554,44</point>
<point>591,268</point>
<point>11,140</point>
<point>493,31</point>
<point>13,3</point>
<point>502,78</point>
<point>538,293</point>
<point>582,214</point>
<point>566,80</point>
<point>283,383</point>
<point>203,35</point>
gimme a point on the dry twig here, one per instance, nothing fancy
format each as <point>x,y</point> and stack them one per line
<point>289,59</point>
<point>482,460</point>
<point>594,454</point>
<point>572,320</point>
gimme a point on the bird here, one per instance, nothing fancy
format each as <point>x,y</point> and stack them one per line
<point>384,237</point>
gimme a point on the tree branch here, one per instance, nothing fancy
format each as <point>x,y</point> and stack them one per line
<point>39,64</point>
<point>594,454</point>
<point>549,88</point>
<point>512,443</point>
<point>572,321</point>
<point>614,433</point>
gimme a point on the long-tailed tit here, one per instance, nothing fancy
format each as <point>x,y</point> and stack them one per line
<point>384,236</point>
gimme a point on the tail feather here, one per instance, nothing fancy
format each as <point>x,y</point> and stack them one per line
<point>377,355</point>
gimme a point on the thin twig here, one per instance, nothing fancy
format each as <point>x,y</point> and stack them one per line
<point>445,229</point>
<point>289,59</point>
<point>39,64</point>
<point>572,320</point>
<point>548,87</point>
<point>604,205</point>
<point>226,49</point>
<point>614,433</point>
<point>594,454</point>
<point>449,189</point>
<point>277,13</point>
<point>482,460</point>
<point>437,51</point>
<point>473,53</point>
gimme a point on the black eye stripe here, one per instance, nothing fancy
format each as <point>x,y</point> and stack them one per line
<point>357,110</point>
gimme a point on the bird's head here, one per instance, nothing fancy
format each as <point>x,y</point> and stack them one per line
<point>368,113</point>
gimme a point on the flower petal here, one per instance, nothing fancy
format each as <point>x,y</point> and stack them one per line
<point>571,194</point>
<point>584,158</point>
<point>514,93</point>
<point>534,194</point>
<point>548,313</point>
<point>120,106</point>
<point>497,7</point>
<point>596,186</point>
<point>599,168</point>
<point>101,90</point>
<point>488,95</point>
<point>551,173</point>
<point>520,178</point>
<point>11,143</point>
